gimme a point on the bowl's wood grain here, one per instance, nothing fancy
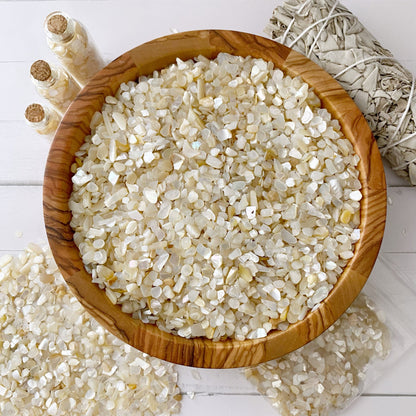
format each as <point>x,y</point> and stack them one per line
<point>155,55</point>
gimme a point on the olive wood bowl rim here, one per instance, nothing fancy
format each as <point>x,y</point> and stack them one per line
<point>202,352</point>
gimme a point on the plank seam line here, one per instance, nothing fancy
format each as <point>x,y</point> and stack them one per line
<point>209,394</point>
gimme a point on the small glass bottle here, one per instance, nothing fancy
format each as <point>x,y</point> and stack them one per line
<point>70,42</point>
<point>44,120</point>
<point>54,84</point>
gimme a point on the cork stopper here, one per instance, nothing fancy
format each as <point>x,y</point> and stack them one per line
<point>40,70</point>
<point>57,24</point>
<point>34,113</point>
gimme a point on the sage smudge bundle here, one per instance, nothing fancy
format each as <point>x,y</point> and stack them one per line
<point>329,34</point>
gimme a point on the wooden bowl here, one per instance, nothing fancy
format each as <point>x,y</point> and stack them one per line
<point>201,352</point>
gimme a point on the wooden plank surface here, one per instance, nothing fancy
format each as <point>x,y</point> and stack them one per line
<point>399,236</point>
<point>395,380</point>
<point>247,405</point>
<point>25,158</point>
<point>120,25</point>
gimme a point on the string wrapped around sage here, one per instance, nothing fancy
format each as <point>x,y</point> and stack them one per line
<point>329,34</point>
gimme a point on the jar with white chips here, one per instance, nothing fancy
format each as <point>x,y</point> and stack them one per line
<point>54,84</point>
<point>70,42</point>
<point>44,120</point>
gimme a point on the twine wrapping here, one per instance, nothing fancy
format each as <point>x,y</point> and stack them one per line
<point>329,34</point>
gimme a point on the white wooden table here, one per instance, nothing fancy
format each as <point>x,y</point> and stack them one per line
<point>120,25</point>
